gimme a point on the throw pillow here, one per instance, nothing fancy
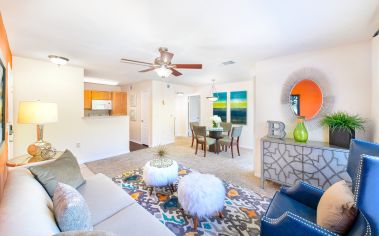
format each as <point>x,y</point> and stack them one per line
<point>336,210</point>
<point>65,170</point>
<point>70,209</point>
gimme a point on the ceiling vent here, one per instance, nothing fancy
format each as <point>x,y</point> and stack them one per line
<point>227,63</point>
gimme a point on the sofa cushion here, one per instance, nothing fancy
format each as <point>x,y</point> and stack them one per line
<point>64,170</point>
<point>26,208</point>
<point>85,233</point>
<point>134,220</point>
<point>336,210</point>
<point>70,209</point>
<point>282,203</point>
<point>104,197</point>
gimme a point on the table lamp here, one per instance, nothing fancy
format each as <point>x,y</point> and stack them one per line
<point>38,113</point>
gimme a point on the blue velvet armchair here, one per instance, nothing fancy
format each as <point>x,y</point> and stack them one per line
<point>292,211</point>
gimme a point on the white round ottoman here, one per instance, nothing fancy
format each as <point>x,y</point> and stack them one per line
<point>201,195</point>
<point>160,176</point>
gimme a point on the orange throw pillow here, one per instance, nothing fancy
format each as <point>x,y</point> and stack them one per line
<point>336,210</point>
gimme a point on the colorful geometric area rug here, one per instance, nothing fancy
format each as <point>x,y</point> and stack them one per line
<point>242,212</point>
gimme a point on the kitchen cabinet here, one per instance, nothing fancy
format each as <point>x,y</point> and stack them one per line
<point>87,100</point>
<point>101,95</point>
<point>118,103</point>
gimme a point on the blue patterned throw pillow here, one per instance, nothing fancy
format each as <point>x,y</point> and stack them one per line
<point>70,209</point>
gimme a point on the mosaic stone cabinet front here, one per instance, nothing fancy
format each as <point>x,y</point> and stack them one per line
<point>286,162</point>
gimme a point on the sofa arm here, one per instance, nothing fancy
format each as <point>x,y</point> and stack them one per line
<point>291,224</point>
<point>304,193</point>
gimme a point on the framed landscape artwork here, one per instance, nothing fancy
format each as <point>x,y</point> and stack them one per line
<point>220,106</point>
<point>2,101</point>
<point>238,107</point>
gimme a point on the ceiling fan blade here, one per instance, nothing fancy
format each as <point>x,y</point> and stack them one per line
<point>175,72</point>
<point>147,70</point>
<point>188,66</point>
<point>136,62</point>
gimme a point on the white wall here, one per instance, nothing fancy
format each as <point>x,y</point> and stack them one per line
<point>166,114</point>
<point>102,87</point>
<point>375,89</point>
<point>247,137</point>
<point>98,137</point>
<point>348,69</point>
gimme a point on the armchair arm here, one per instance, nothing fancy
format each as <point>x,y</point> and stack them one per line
<point>304,193</point>
<point>291,224</point>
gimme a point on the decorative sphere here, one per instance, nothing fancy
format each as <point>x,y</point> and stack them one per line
<point>34,150</point>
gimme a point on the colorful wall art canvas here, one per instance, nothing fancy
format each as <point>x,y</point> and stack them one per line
<point>238,107</point>
<point>220,106</point>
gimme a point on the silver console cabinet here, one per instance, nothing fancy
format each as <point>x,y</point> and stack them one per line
<point>286,162</point>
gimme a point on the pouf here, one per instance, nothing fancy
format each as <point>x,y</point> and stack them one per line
<point>201,195</point>
<point>160,176</point>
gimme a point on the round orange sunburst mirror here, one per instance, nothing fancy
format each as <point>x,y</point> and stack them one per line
<point>306,99</point>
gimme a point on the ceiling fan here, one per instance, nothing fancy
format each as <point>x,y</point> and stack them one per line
<point>162,64</point>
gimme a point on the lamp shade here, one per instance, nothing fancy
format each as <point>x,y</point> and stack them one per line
<point>35,112</point>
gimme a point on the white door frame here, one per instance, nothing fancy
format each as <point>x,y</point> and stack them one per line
<point>145,123</point>
<point>189,112</point>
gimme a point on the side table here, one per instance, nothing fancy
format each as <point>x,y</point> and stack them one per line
<point>25,160</point>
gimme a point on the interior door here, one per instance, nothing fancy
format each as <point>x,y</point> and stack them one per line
<point>145,117</point>
<point>193,110</point>
<point>10,113</point>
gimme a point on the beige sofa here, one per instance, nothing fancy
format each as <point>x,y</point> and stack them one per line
<point>26,208</point>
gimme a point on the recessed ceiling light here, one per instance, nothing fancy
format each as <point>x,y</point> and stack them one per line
<point>180,94</point>
<point>58,60</point>
<point>100,81</point>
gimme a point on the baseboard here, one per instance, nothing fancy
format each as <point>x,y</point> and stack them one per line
<point>85,160</point>
<point>247,147</point>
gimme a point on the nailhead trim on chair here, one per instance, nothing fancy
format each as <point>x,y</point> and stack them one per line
<point>312,187</point>
<point>356,190</point>
<point>300,220</point>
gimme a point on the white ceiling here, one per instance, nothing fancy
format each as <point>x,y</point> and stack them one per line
<point>95,34</point>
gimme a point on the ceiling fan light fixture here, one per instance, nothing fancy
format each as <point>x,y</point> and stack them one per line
<point>58,60</point>
<point>163,71</point>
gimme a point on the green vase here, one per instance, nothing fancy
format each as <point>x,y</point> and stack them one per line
<point>300,133</point>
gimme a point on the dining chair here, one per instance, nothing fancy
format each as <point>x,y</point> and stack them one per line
<point>234,140</point>
<point>202,139</point>
<point>192,124</point>
<point>227,127</point>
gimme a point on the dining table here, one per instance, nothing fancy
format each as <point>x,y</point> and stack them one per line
<point>216,133</point>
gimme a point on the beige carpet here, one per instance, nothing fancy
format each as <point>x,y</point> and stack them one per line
<point>238,170</point>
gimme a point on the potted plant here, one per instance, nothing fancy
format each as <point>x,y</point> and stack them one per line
<point>216,120</point>
<point>161,160</point>
<point>342,127</point>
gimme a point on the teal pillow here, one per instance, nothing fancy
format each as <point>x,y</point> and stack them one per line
<point>65,170</point>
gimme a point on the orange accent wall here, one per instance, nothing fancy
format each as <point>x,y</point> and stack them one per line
<point>6,52</point>
<point>310,97</point>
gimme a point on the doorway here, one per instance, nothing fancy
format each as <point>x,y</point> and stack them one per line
<point>145,117</point>
<point>193,110</point>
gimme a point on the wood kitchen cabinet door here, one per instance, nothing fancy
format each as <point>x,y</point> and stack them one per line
<point>87,100</point>
<point>118,103</point>
<point>101,95</point>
